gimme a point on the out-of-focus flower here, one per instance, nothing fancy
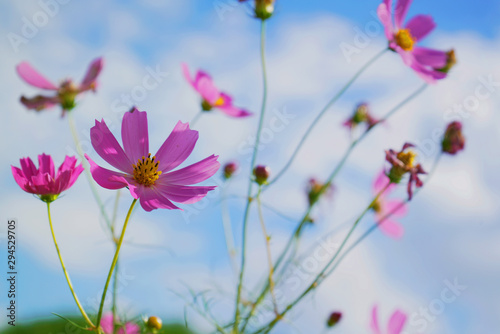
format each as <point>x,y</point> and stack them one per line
<point>211,96</point>
<point>107,326</point>
<point>395,324</point>
<point>154,323</point>
<point>382,207</point>
<point>264,9</point>
<point>403,40</point>
<point>44,181</point>
<point>150,178</point>
<point>453,140</point>
<point>229,169</point>
<point>64,94</point>
<point>261,174</point>
<point>403,162</point>
<point>316,189</point>
<point>361,115</point>
<point>451,61</point>
<point>333,319</point>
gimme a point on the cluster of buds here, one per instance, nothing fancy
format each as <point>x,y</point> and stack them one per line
<point>403,162</point>
<point>261,174</point>
<point>264,9</point>
<point>315,190</point>
<point>453,139</point>
<point>361,115</point>
<point>230,169</point>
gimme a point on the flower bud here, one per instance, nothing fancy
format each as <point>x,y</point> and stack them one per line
<point>154,323</point>
<point>261,174</point>
<point>453,140</point>
<point>229,169</point>
<point>264,9</point>
<point>334,319</point>
<point>451,61</point>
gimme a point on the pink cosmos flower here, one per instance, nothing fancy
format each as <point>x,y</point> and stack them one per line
<point>44,182</point>
<point>127,328</point>
<point>64,94</point>
<point>394,326</point>
<point>211,96</point>
<point>403,40</point>
<point>150,178</point>
<point>383,206</point>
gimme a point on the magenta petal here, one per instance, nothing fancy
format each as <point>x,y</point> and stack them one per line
<point>391,228</point>
<point>207,89</point>
<point>187,75</point>
<point>384,14</point>
<point>151,199</point>
<point>420,26</point>
<point>396,323</point>
<point>430,57</point>
<point>68,164</point>
<point>20,179</point>
<point>108,148</point>
<point>31,76</point>
<point>402,7</point>
<point>374,320</point>
<point>39,102</point>
<point>43,184</point>
<point>430,76</point>
<point>192,174</point>
<point>130,328</point>
<point>235,112</point>
<point>184,194</point>
<point>381,182</point>
<point>89,81</point>
<point>106,178</point>
<point>75,173</point>
<point>201,75</point>
<point>46,165</point>
<point>28,167</point>
<point>135,135</point>
<point>396,208</point>
<point>178,146</point>
<point>107,323</point>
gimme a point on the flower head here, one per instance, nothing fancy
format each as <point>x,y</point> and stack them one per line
<point>151,178</point>
<point>453,140</point>
<point>403,40</point>
<point>229,169</point>
<point>44,181</point>
<point>361,115</point>
<point>403,162</point>
<point>212,98</point>
<point>107,326</point>
<point>261,174</point>
<point>64,94</point>
<point>154,323</point>
<point>394,326</point>
<point>382,207</point>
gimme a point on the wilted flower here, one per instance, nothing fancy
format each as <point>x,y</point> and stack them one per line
<point>229,169</point>
<point>403,40</point>
<point>382,207</point>
<point>264,9</point>
<point>453,140</point>
<point>403,162</point>
<point>211,96</point>
<point>315,190</point>
<point>65,94</point>
<point>150,178</point>
<point>107,326</point>
<point>361,115</point>
<point>333,319</point>
<point>44,182</point>
<point>394,326</point>
<point>261,174</point>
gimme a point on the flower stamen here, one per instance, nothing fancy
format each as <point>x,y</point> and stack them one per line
<point>404,39</point>
<point>146,170</point>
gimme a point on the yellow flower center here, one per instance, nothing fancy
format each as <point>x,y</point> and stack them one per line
<point>408,158</point>
<point>376,206</point>
<point>146,170</point>
<point>220,101</point>
<point>404,39</point>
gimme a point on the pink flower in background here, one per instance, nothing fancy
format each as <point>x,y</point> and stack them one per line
<point>44,181</point>
<point>211,96</point>
<point>128,328</point>
<point>383,206</point>
<point>403,40</point>
<point>150,178</point>
<point>64,94</point>
<point>361,115</point>
<point>394,326</point>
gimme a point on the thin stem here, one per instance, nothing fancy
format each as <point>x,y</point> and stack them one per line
<point>228,231</point>
<point>117,270</point>
<point>82,311</point>
<point>322,112</point>
<point>267,239</point>
<point>86,165</point>
<point>321,275</point>
<point>252,165</point>
<point>113,264</point>
<point>195,118</point>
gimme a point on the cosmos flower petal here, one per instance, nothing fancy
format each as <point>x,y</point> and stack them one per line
<point>32,77</point>
<point>106,178</point>
<point>46,165</point>
<point>402,7</point>
<point>151,199</point>
<point>384,14</point>
<point>178,146</point>
<point>187,75</point>
<point>28,167</point>
<point>420,26</point>
<point>107,323</point>
<point>130,328</point>
<point>391,228</point>
<point>374,321</point>
<point>207,89</point>
<point>396,207</point>
<point>39,102</point>
<point>396,322</point>
<point>89,81</point>
<point>195,173</point>
<point>135,135</point>
<point>20,179</point>
<point>381,182</point>
<point>430,57</point>
<point>184,194</point>
<point>235,111</point>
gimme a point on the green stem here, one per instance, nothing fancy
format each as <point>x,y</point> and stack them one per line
<point>228,231</point>
<point>195,118</point>
<point>113,264</point>
<point>322,112</point>
<point>252,165</point>
<point>86,165</point>
<point>82,311</point>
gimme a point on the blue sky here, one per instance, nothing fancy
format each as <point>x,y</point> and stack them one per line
<point>451,232</point>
